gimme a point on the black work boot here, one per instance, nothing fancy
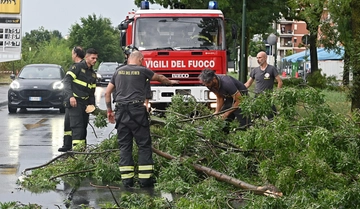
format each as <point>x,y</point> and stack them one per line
<point>67,146</point>
<point>146,183</point>
<point>64,149</point>
<point>128,182</point>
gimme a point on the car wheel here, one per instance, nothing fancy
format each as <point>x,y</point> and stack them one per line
<point>12,109</point>
<point>62,110</point>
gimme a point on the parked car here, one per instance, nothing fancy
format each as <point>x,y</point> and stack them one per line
<point>37,86</point>
<point>105,72</point>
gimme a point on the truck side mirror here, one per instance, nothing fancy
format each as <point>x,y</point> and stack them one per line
<point>123,26</point>
<point>123,39</point>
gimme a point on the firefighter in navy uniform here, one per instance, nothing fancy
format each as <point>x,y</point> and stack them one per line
<point>77,54</point>
<point>127,51</point>
<point>79,86</point>
<point>132,120</point>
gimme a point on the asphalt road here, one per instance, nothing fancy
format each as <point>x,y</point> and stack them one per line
<point>31,139</point>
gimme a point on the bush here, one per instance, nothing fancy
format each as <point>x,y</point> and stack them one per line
<point>317,80</point>
<point>293,82</point>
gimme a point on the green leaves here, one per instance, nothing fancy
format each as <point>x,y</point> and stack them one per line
<point>97,32</point>
<point>308,151</point>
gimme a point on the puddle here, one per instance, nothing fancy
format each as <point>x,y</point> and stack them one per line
<point>90,193</point>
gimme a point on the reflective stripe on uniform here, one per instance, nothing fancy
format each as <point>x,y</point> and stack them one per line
<point>84,98</point>
<point>83,83</point>
<point>71,74</point>
<point>144,175</point>
<point>146,167</point>
<point>127,175</point>
<point>80,82</point>
<point>67,133</point>
<point>78,141</point>
<point>92,86</point>
<point>126,168</point>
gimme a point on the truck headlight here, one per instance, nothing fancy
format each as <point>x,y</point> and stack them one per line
<point>211,95</point>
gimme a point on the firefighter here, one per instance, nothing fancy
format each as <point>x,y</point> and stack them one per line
<point>79,86</point>
<point>77,55</point>
<point>127,51</point>
<point>132,119</point>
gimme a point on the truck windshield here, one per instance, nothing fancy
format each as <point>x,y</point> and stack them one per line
<point>179,33</point>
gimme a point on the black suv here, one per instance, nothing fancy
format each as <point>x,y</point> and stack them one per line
<point>105,72</point>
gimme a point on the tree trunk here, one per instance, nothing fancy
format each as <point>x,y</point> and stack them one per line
<point>346,72</point>
<point>268,190</point>
<point>355,54</point>
<point>313,50</point>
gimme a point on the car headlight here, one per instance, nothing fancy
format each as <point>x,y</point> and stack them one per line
<point>15,85</point>
<point>98,75</point>
<point>58,85</point>
<point>211,95</point>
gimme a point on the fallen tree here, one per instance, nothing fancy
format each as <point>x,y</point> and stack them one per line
<point>268,190</point>
<point>309,152</point>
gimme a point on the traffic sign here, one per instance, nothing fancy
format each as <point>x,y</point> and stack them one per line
<point>10,30</point>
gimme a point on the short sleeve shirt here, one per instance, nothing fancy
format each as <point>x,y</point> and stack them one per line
<point>228,86</point>
<point>131,83</point>
<point>264,79</point>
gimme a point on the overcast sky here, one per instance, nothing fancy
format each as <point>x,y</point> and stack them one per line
<point>60,15</point>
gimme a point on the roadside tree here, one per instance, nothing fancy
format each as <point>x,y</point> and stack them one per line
<point>97,32</point>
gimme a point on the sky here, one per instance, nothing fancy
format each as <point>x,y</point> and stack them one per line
<point>60,15</point>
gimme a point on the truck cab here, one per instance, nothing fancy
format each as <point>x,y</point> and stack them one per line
<point>179,44</point>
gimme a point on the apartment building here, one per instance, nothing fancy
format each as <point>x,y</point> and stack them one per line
<point>290,36</point>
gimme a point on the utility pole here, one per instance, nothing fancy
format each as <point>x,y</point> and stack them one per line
<point>243,72</point>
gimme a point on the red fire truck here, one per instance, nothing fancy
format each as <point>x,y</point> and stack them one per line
<point>178,43</point>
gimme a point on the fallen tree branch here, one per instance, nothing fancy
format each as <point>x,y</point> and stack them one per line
<point>208,116</point>
<point>68,153</point>
<point>110,188</point>
<point>268,190</point>
<point>69,173</point>
<point>43,165</point>
<point>104,187</point>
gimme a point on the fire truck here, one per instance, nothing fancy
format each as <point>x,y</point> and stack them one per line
<point>178,43</point>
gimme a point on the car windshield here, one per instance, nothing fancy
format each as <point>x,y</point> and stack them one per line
<point>40,72</point>
<point>107,68</point>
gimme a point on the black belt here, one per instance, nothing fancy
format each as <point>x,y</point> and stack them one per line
<point>129,103</point>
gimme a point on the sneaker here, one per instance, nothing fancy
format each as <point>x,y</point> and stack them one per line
<point>64,149</point>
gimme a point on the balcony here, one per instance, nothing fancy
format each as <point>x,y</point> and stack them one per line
<point>285,21</point>
<point>286,32</point>
<point>287,45</point>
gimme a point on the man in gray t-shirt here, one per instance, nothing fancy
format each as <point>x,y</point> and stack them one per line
<point>264,77</point>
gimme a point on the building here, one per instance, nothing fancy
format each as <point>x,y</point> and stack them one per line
<point>290,37</point>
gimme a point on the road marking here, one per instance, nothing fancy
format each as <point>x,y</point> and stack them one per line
<point>37,124</point>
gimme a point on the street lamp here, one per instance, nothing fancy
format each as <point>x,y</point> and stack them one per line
<point>243,74</point>
<point>272,40</point>
<point>234,35</point>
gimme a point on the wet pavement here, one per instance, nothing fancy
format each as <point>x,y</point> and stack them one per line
<point>31,139</point>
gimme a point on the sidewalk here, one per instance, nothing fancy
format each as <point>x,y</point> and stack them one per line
<point>4,94</point>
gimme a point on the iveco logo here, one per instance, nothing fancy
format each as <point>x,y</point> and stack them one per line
<point>180,75</point>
